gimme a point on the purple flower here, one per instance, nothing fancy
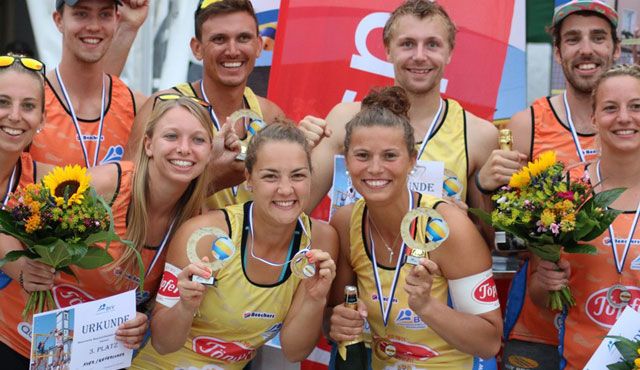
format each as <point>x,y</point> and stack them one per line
<point>568,195</point>
<point>555,228</point>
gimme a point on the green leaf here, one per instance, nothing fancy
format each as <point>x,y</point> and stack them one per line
<point>14,255</point>
<point>627,348</point>
<point>55,254</point>
<point>483,215</point>
<point>604,198</point>
<point>95,257</point>
<point>77,252</point>
<point>547,252</point>
<point>581,248</point>
<point>619,366</point>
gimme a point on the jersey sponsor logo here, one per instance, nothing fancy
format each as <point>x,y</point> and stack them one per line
<point>409,320</point>
<point>410,352</point>
<point>521,362</point>
<point>169,285</point>
<point>602,313</point>
<point>486,291</point>
<point>114,154</point>
<point>67,295</point>
<point>24,329</point>
<point>222,350</point>
<point>272,331</point>
<point>374,297</point>
<point>258,315</point>
<point>635,264</point>
<point>620,241</point>
<point>90,138</point>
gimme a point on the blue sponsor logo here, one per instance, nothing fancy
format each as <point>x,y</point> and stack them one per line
<point>407,319</point>
<point>114,154</point>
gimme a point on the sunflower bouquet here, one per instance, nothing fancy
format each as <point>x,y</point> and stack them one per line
<point>552,213</point>
<point>630,352</point>
<point>59,221</point>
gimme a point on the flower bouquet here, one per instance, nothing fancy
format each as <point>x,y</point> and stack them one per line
<point>551,212</point>
<point>59,221</point>
<point>630,351</point>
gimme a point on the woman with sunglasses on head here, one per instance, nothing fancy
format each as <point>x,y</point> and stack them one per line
<point>412,326</point>
<point>605,283</point>
<point>264,286</point>
<point>149,199</point>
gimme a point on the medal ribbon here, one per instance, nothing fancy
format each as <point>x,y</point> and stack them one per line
<point>614,247</point>
<point>165,239</point>
<point>432,128</point>
<point>212,113</point>
<point>385,311</point>
<point>74,118</point>
<point>275,264</point>
<point>572,127</point>
<point>9,186</point>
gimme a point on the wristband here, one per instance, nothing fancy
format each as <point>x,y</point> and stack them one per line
<point>482,190</point>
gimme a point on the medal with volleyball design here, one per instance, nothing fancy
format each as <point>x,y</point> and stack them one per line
<point>436,232</point>
<point>451,186</point>
<point>222,249</point>
<point>252,123</point>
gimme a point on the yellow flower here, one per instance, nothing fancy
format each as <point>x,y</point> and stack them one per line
<point>547,217</point>
<point>637,361</point>
<point>544,161</point>
<point>32,223</point>
<point>73,180</point>
<point>520,179</point>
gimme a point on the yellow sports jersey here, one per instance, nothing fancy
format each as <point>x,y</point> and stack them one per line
<point>448,144</point>
<point>237,316</point>
<point>237,194</point>
<point>416,345</point>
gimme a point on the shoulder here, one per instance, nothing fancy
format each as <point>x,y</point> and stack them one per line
<point>325,237</point>
<point>480,126</point>
<point>482,136</point>
<point>270,110</point>
<point>341,219</point>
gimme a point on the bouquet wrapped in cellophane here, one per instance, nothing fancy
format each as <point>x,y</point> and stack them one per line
<point>552,213</point>
<point>630,353</point>
<point>59,221</point>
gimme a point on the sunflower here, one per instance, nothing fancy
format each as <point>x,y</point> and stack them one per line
<point>520,179</point>
<point>67,184</point>
<point>544,161</point>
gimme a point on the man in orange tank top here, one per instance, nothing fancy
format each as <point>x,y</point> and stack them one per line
<point>585,44</point>
<point>89,113</point>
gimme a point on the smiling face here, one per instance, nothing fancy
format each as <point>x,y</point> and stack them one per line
<point>21,113</point>
<point>585,50</point>
<point>87,28</point>
<point>228,47</point>
<point>379,162</point>
<point>179,148</point>
<point>280,180</point>
<point>617,114</point>
<point>419,51</point>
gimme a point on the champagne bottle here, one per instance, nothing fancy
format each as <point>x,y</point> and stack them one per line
<point>352,355</point>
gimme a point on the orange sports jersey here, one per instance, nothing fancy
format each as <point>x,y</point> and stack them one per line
<point>536,324</point>
<point>58,142</point>
<point>589,321</point>
<point>91,284</point>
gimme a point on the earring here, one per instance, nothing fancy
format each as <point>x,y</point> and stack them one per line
<point>248,187</point>
<point>38,130</point>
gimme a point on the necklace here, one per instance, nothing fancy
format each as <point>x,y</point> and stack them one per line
<point>9,187</point>
<point>384,242</point>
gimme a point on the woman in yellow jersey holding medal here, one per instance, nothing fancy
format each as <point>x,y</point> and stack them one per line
<point>603,284</point>
<point>271,274</point>
<point>412,326</point>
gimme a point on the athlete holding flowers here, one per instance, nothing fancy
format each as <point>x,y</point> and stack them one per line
<point>265,285</point>
<point>412,324</point>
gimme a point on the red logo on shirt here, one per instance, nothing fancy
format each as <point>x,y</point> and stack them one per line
<point>486,292</point>
<point>406,351</point>
<point>602,313</point>
<point>169,285</point>
<point>221,350</point>
<point>68,295</point>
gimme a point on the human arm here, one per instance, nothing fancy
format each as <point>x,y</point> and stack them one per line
<point>136,135</point>
<point>322,155</point>
<point>32,275</point>
<point>172,318</point>
<point>315,129</point>
<point>547,277</point>
<point>302,325</point>
<point>226,171</point>
<point>132,15</point>
<point>463,255</point>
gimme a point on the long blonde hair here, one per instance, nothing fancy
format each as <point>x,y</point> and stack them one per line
<point>189,203</point>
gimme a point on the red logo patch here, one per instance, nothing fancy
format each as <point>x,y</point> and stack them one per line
<point>169,285</point>
<point>602,313</point>
<point>68,295</point>
<point>486,291</point>
<point>225,351</point>
<point>410,351</point>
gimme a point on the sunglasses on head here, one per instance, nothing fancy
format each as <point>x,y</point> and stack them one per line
<point>205,3</point>
<point>28,63</point>
<point>168,97</point>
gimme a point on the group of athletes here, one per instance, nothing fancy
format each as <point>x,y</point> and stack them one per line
<point>169,167</point>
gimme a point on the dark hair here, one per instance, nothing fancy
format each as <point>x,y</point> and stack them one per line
<point>386,107</point>
<point>219,8</point>
<point>554,31</point>
<point>282,129</point>
<point>631,70</point>
<point>420,9</point>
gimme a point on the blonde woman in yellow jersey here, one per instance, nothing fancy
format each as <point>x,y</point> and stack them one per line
<point>412,325</point>
<point>256,296</point>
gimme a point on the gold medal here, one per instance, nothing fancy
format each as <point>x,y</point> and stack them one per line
<point>385,349</point>
<point>436,232</point>
<point>300,265</point>
<point>255,124</point>
<point>222,249</point>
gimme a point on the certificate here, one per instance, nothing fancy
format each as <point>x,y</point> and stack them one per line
<point>83,336</point>
<point>628,326</point>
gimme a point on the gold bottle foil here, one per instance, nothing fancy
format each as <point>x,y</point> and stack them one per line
<point>505,139</point>
<point>350,301</point>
